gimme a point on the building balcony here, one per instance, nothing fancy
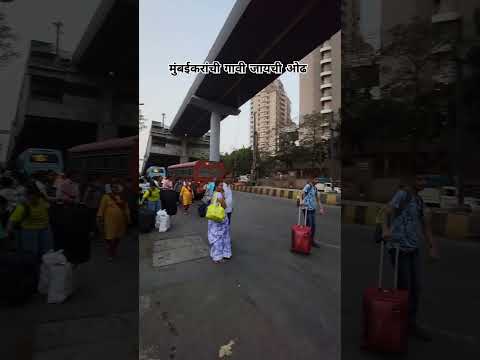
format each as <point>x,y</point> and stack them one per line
<point>326,98</point>
<point>325,48</point>
<point>326,86</point>
<point>325,61</point>
<point>326,73</point>
<point>326,111</point>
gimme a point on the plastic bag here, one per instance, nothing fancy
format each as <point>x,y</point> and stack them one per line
<point>162,222</point>
<point>56,277</point>
<point>60,286</point>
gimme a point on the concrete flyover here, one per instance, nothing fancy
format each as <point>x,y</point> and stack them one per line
<point>256,31</point>
<point>165,149</point>
<point>108,51</point>
<point>86,96</point>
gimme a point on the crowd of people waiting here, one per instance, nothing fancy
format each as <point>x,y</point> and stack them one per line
<point>215,192</point>
<point>64,211</point>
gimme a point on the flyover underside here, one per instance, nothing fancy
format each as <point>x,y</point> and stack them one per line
<point>161,160</point>
<point>114,47</point>
<point>50,133</point>
<point>285,32</point>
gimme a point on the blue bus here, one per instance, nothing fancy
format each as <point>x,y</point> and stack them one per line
<point>35,160</point>
<point>154,171</point>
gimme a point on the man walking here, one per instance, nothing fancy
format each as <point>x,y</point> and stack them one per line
<point>311,199</point>
<point>405,220</point>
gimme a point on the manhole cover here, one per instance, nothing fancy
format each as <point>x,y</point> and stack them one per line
<point>176,250</point>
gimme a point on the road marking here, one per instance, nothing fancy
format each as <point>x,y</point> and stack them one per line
<point>329,245</point>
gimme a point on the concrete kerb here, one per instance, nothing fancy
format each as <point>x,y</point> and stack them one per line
<point>444,223</point>
<point>292,194</point>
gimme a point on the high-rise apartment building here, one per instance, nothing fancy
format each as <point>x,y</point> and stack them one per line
<point>271,108</point>
<point>320,87</point>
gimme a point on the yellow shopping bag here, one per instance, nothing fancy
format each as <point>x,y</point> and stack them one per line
<point>215,213</point>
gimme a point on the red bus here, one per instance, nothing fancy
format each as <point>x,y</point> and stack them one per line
<point>110,158</point>
<point>199,172</point>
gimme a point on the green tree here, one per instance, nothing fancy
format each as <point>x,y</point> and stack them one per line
<point>288,151</point>
<point>238,162</point>
<point>314,146</point>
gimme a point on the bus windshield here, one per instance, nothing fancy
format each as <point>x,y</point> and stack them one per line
<point>44,158</point>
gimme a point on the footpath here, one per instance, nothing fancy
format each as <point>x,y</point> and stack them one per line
<point>99,321</point>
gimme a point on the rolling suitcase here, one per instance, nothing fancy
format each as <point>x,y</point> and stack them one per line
<point>385,314</point>
<point>301,236</point>
<point>146,220</point>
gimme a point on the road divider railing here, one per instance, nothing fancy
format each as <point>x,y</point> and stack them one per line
<point>293,194</point>
<point>447,224</point>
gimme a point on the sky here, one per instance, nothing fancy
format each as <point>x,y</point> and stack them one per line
<point>181,31</point>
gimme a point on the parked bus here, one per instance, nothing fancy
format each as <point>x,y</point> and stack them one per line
<point>154,171</point>
<point>199,172</point>
<point>39,160</point>
<point>110,158</point>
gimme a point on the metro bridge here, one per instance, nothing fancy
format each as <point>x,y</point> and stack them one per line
<point>284,31</point>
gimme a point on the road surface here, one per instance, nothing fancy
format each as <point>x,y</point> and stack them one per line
<point>266,303</point>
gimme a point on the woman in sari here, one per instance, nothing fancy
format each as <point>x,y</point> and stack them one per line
<point>113,218</point>
<point>219,232</point>
<point>186,196</point>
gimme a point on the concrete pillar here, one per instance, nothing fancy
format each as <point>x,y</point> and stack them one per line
<point>107,128</point>
<point>215,137</point>
<point>184,156</point>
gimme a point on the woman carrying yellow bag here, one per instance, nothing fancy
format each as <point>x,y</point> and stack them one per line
<point>218,227</point>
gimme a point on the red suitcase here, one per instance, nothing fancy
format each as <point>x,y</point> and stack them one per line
<point>385,315</point>
<point>301,236</point>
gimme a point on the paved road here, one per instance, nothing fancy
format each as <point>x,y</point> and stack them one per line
<point>450,300</point>
<point>100,320</point>
<point>273,304</point>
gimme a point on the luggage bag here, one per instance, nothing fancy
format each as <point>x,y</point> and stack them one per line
<point>385,312</point>
<point>301,236</point>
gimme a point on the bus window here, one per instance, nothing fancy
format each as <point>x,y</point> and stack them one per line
<point>209,172</point>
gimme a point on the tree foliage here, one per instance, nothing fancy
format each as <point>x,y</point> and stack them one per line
<point>238,162</point>
<point>314,145</point>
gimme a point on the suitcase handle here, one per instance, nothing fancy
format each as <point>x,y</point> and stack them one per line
<point>299,215</point>
<point>380,270</point>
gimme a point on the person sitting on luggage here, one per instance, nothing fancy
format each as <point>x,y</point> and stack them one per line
<point>152,196</point>
<point>32,218</point>
<point>403,216</point>
<point>311,199</point>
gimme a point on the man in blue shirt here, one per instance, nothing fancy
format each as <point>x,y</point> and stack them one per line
<point>311,199</point>
<point>405,225</point>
